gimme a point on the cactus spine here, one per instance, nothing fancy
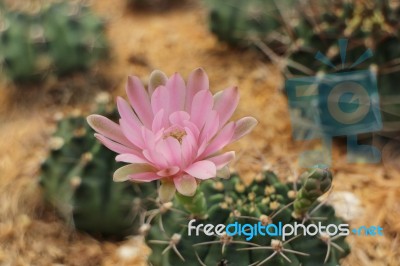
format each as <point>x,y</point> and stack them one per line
<point>241,23</point>
<point>77,180</point>
<point>368,24</point>
<point>266,200</point>
<point>61,38</point>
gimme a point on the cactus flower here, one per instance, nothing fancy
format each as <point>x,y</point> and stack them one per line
<point>172,132</point>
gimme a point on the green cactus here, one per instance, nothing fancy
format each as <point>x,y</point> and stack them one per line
<point>242,22</point>
<point>60,38</point>
<point>21,51</point>
<point>75,37</point>
<point>369,24</point>
<point>265,200</point>
<point>317,182</point>
<point>77,180</point>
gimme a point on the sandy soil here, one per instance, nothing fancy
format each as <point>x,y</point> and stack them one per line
<point>177,40</point>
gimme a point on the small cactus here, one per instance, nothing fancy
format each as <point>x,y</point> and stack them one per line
<point>60,38</point>
<point>77,180</point>
<point>242,22</point>
<point>265,200</point>
<point>316,183</point>
<point>75,37</point>
<point>21,54</point>
<point>369,24</point>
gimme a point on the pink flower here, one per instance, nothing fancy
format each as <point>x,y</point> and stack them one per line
<point>173,133</point>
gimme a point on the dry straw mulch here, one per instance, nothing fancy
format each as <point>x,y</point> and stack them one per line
<point>177,40</point>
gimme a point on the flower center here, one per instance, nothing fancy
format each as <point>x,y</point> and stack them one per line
<point>176,133</point>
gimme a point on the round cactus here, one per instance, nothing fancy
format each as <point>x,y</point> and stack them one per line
<point>75,37</point>
<point>241,22</point>
<point>60,38</point>
<point>77,180</point>
<point>369,24</point>
<point>266,200</point>
<point>21,51</point>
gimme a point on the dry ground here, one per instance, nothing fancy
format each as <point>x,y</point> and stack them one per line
<point>176,40</point>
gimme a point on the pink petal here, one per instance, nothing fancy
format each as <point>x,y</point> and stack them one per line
<point>158,122</point>
<point>243,127</point>
<point>132,134</point>
<point>178,118</point>
<point>124,173</point>
<point>156,158</point>
<point>189,126</point>
<point>157,78</point>
<point>202,147</point>
<point>114,146</point>
<point>222,139</point>
<point>193,136</point>
<point>202,169</point>
<point>188,147</point>
<point>130,158</point>
<point>210,128</point>
<point>126,113</point>
<point>140,100</point>
<point>197,81</point>
<point>170,148</point>
<point>222,160</point>
<point>177,91</point>
<point>159,100</point>
<point>225,103</point>
<point>186,185</point>
<point>201,106</point>
<point>149,138</point>
<point>107,128</point>
<point>168,171</point>
<point>144,177</point>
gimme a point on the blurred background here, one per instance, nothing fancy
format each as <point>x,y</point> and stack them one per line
<point>62,60</point>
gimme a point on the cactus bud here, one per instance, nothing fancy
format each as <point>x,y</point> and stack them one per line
<point>317,183</point>
<point>166,191</point>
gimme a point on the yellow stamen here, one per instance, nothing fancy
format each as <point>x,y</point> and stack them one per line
<point>176,134</point>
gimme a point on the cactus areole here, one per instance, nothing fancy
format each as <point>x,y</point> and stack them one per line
<point>177,237</point>
<point>61,38</point>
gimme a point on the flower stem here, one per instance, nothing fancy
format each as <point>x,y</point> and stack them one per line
<point>196,204</point>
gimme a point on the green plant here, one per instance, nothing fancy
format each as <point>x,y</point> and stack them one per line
<point>77,180</point>
<point>265,200</point>
<point>75,37</point>
<point>21,54</point>
<point>242,22</point>
<point>368,24</point>
<point>61,38</point>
